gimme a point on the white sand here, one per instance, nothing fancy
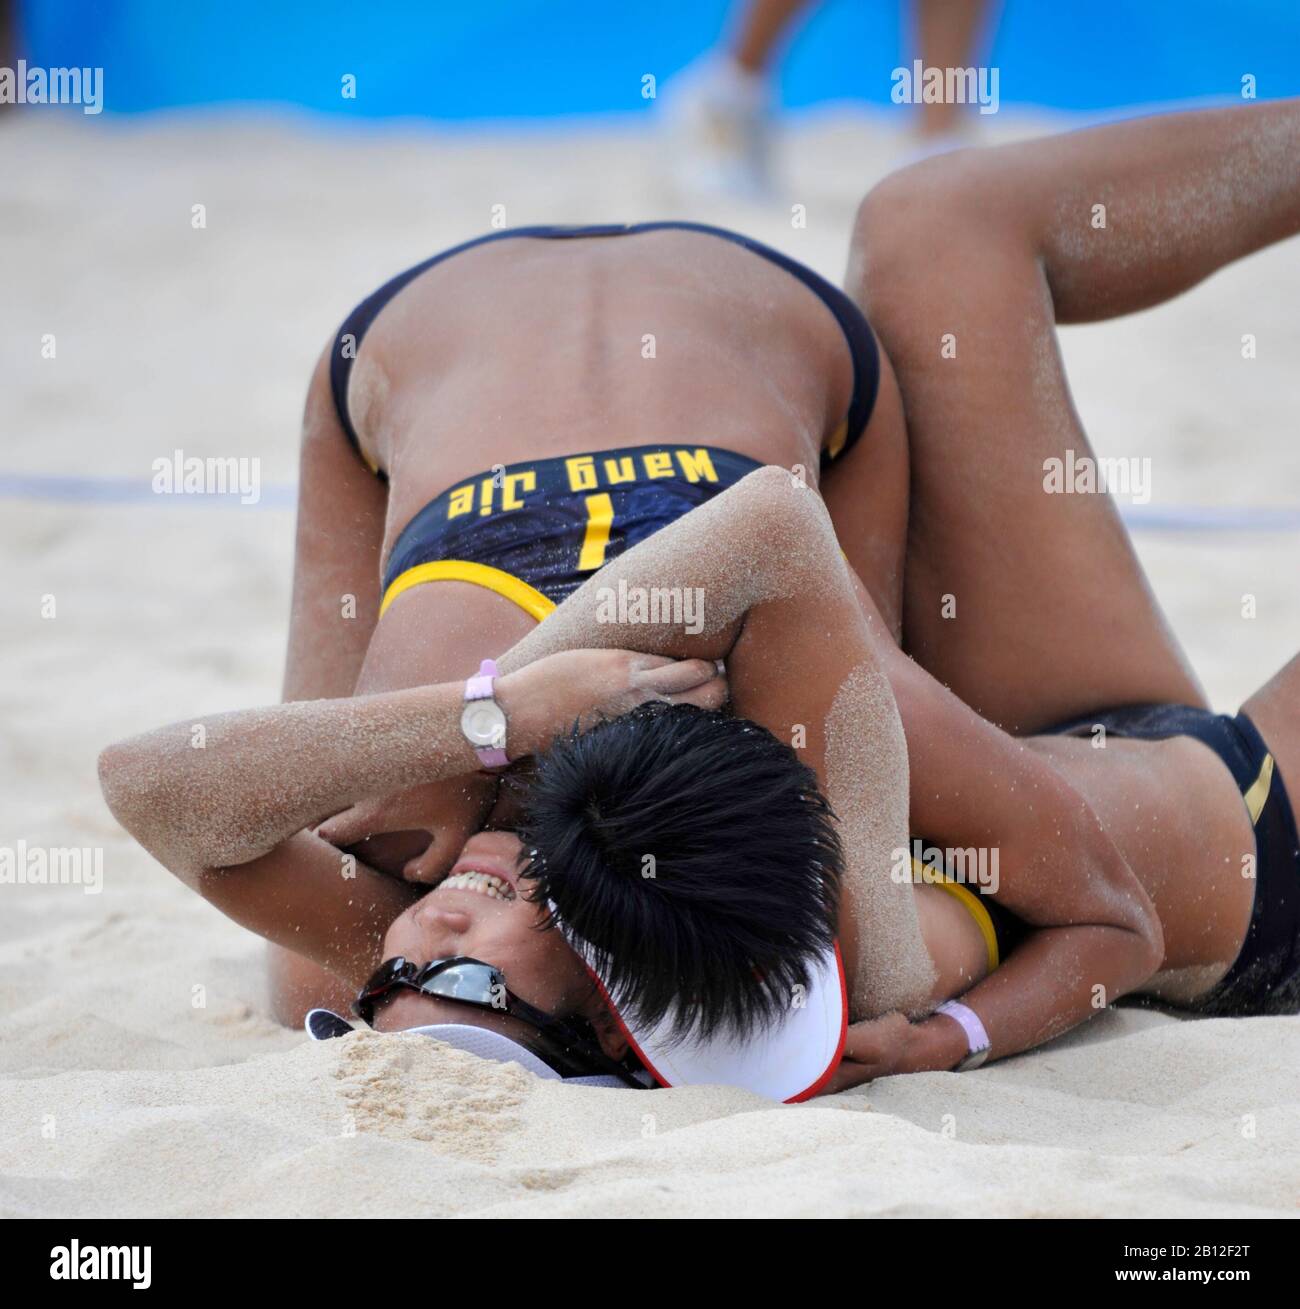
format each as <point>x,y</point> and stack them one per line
<point>140,1075</point>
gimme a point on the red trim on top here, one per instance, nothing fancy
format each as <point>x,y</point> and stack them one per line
<point>839,1046</point>
<point>794,1099</point>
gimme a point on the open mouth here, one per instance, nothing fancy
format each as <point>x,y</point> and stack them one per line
<point>482,883</point>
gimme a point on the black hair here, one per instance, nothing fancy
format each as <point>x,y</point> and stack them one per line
<point>696,855</point>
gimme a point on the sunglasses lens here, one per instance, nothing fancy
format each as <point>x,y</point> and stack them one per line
<point>468,980</point>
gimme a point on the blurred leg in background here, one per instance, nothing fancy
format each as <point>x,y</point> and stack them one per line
<point>720,113</point>
<point>762,25</point>
<point>948,34</point>
<point>8,40</point>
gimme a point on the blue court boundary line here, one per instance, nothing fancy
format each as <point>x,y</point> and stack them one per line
<point>52,489</point>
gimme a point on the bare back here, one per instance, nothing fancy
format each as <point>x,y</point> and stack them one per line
<point>534,349</point>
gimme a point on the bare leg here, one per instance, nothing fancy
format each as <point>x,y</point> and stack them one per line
<point>1031,606</point>
<point>866,492</point>
<point>946,34</point>
<point>341,511</point>
<point>762,25</point>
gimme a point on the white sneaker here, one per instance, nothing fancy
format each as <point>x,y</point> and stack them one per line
<point>718,130</point>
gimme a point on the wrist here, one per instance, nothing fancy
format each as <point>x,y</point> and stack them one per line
<point>526,730</point>
<point>937,1045</point>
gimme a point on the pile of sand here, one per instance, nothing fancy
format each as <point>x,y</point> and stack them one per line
<point>138,1071</point>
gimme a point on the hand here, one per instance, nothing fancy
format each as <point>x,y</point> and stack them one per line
<point>892,1044</point>
<point>874,1049</point>
<point>582,686</point>
<point>447,812</point>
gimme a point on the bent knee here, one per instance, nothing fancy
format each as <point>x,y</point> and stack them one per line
<point>950,201</point>
<point>921,194</point>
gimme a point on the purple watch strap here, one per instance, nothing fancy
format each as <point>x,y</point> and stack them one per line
<point>968,1020</point>
<point>479,687</point>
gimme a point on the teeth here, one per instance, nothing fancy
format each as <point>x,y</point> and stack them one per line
<point>488,884</point>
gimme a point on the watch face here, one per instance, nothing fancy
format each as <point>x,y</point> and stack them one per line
<point>484,724</point>
<point>973,1060</point>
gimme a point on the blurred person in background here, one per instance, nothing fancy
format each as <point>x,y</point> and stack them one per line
<point>720,116</point>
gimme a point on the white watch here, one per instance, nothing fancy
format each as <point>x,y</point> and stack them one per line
<point>483,721</point>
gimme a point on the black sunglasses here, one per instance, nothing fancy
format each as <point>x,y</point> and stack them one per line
<point>472,982</point>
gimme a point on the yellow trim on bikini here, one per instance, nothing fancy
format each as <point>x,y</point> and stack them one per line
<point>1257,794</point>
<point>839,439</point>
<point>968,900</point>
<point>528,598</point>
<point>595,540</point>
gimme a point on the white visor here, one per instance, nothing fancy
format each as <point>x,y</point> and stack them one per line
<point>322,1024</point>
<point>788,1061</point>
